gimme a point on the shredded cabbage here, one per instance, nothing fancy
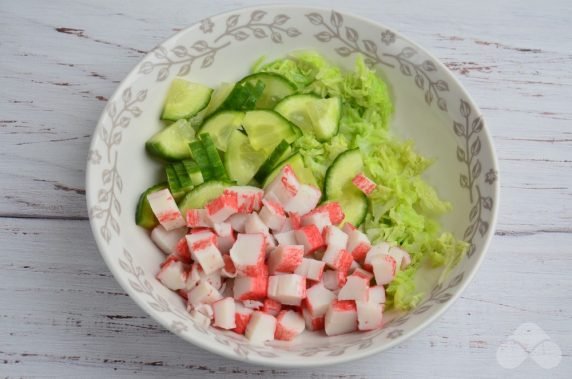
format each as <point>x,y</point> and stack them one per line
<point>404,208</point>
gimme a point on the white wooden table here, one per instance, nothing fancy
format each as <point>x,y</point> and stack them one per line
<point>61,311</point>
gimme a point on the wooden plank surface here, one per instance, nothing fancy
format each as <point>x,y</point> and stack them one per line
<point>62,313</point>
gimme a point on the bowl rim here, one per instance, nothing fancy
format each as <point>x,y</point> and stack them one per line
<point>344,358</point>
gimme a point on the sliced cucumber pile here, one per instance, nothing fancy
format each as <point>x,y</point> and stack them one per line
<point>242,133</point>
<point>338,186</point>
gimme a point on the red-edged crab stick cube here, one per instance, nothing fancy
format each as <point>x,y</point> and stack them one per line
<point>376,294</point>
<point>203,293</point>
<point>384,269</point>
<point>222,207</point>
<point>206,253</point>
<point>310,237</point>
<point>165,209</point>
<point>363,183</point>
<point>369,315</point>
<point>318,299</point>
<point>228,271</point>
<point>312,269</point>
<point>198,218</point>
<point>237,221</point>
<point>251,287</point>
<point>334,210</point>
<point>284,187</point>
<point>167,240</point>
<point>261,327</point>
<point>286,238</point>
<point>173,275</point>
<point>272,307</point>
<point>289,324</point>
<point>224,313</point>
<point>401,257</point>
<point>313,322</point>
<point>381,248</point>
<point>285,259</point>
<point>249,198</point>
<point>248,253</point>
<point>320,219</point>
<point>341,318</point>
<point>305,200</point>
<point>241,317</point>
<point>358,245</point>
<point>288,289</point>
<point>272,214</point>
<point>356,288</point>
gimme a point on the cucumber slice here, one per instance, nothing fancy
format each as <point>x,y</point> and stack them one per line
<point>214,158</point>
<point>185,99</point>
<point>241,160</point>
<point>325,115</point>
<point>244,96</point>
<point>266,129</point>
<point>276,87</point>
<point>296,161</point>
<point>200,156</point>
<point>144,215</point>
<point>282,151</point>
<point>312,114</point>
<point>294,108</point>
<point>173,181</point>
<point>220,125</point>
<point>182,175</point>
<point>172,143</point>
<point>194,172</point>
<point>202,194</point>
<point>338,186</point>
<point>218,97</point>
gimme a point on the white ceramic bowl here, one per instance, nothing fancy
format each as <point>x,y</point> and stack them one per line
<point>431,108</point>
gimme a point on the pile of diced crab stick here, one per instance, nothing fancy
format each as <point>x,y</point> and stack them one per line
<point>271,263</point>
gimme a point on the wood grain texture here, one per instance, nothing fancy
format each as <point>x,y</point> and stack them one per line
<point>62,313</point>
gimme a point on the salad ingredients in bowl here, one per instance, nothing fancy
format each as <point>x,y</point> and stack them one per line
<point>289,205</point>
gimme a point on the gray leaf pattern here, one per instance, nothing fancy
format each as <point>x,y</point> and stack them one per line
<point>258,27</point>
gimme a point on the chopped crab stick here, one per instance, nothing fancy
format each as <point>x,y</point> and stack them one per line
<point>312,269</point>
<point>358,244</point>
<point>167,240</point>
<point>225,243</point>
<point>310,237</point>
<point>254,224</point>
<point>198,218</point>
<point>165,209</point>
<point>224,311</point>
<point>284,187</point>
<point>249,198</point>
<point>289,324</point>
<point>401,257</point>
<point>203,293</point>
<point>376,294</point>
<point>356,288</point>
<point>369,315</point>
<point>288,289</point>
<point>173,275</point>
<point>292,223</point>
<point>272,214</point>
<point>237,221</point>
<point>261,327</point>
<point>363,183</point>
<point>286,238</point>
<point>318,298</point>
<point>223,229</point>
<point>348,227</point>
<point>241,317</point>
<point>320,219</point>
<point>334,210</point>
<point>222,207</point>
<point>313,322</point>
<point>333,280</point>
<point>248,253</point>
<point>379,249</point>
<point>205,252</point>
<point>271,307</point>
<point>285,259</point>
<point>305,199</point>
<point>251,287</point>
<point>339,260</point>
<point>341,318</point>
<point>384,269</point>
<point>228,271</point>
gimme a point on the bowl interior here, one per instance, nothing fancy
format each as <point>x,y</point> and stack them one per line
<point>431,108</point>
